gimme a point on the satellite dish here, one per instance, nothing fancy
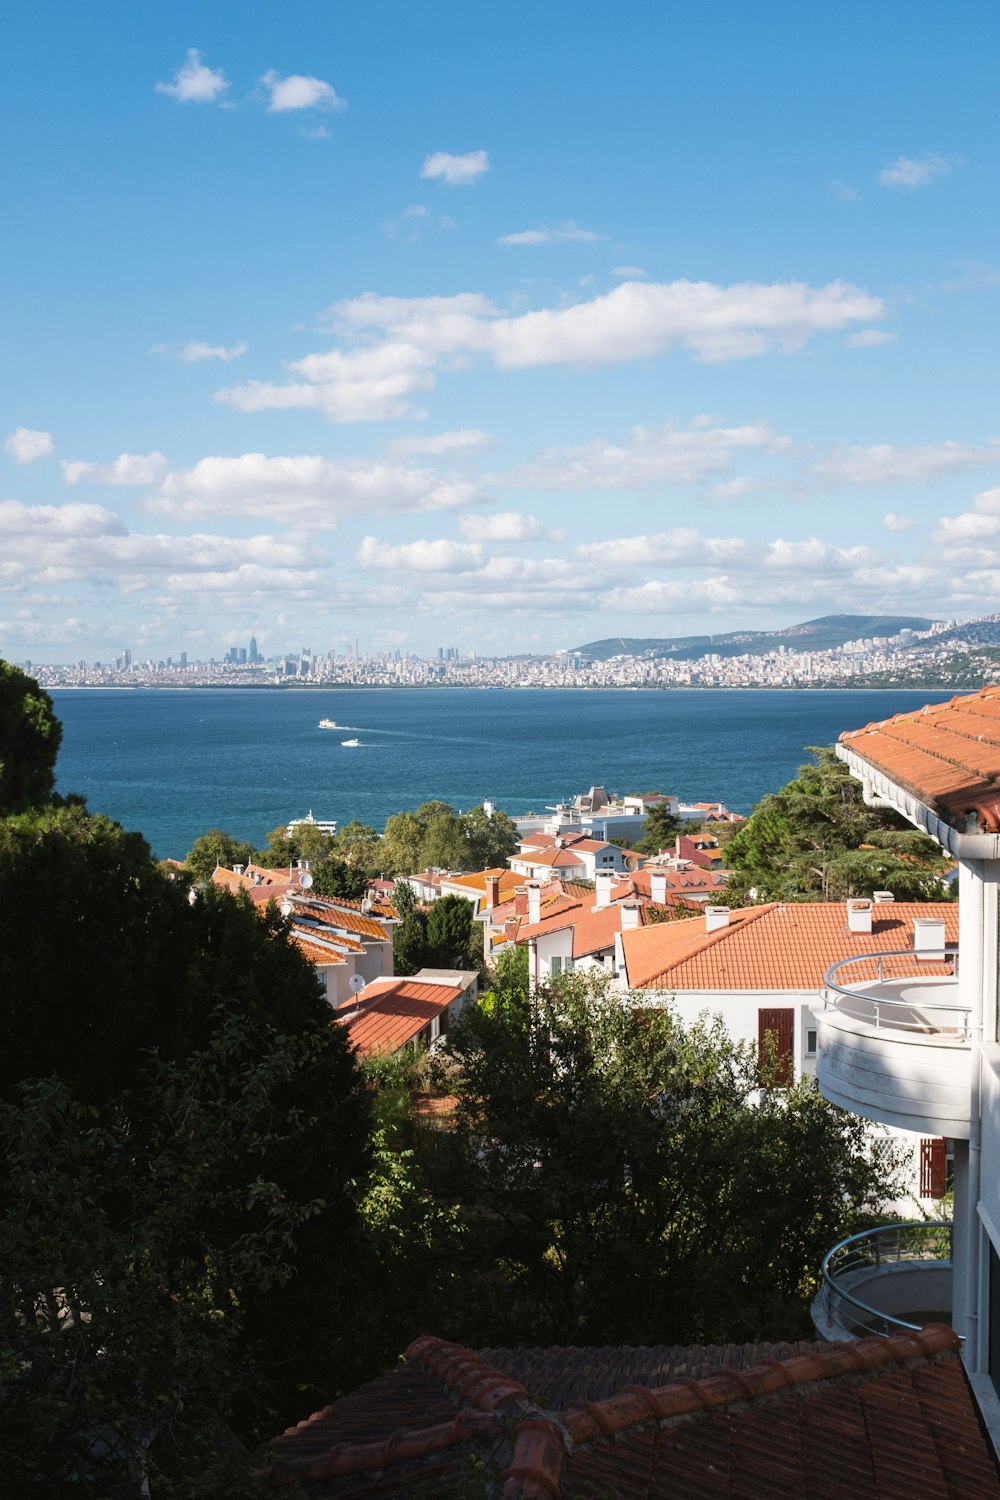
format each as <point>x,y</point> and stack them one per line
<point>285,908</point>
<point>305,880</point>
<point>357,983</point>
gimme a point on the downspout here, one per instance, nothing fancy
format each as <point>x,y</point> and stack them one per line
<point>974,945</point>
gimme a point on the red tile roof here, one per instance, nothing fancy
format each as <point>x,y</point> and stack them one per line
<point>947,755</point>
<point>392,1012</point>
<point>879,1419</point>
<point>773,947</point>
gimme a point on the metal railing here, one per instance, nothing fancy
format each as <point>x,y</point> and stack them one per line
<point>929,1016</point>
<point>871,1250</point>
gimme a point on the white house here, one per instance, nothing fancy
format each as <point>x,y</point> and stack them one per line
<point>925,1056</point>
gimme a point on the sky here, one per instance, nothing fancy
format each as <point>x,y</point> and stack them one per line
<point>507,328</point>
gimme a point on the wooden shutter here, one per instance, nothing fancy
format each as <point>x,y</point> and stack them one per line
<point>780,1026</point>
<point>933,1167</point>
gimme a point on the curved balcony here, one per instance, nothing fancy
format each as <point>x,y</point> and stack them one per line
<point>893,1042</point>
<point>889,1280</point>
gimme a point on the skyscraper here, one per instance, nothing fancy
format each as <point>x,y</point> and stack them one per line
<point>253,657</point>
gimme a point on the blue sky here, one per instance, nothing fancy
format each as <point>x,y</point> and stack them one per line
<point>508,328</point>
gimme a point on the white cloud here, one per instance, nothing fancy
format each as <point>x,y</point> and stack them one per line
<point>376,381</point>
<point>68,521</point>
<point>892,521</point>
<point>314,132</point>
<point>844,191</point>
<point>305,490</point>
<point>299,91</point>
<point>25,444</point>
<point>457,171</point>
<point>962,536</point>
<point>886,464</point>
<point>196,350</point>
<point>501,526</point>
<point>127,468</point>
<point>631,273</point>
<point>655,455</point>
<point>868,338</point>
<point>912,172</point>
<point>461,440</point>
<point>193,83</point>
<point>567,230</point>
<point>439,556</point>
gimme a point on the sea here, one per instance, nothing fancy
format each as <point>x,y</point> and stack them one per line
<point>171,763</point>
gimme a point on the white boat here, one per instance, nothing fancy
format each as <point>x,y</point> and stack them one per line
<point>349,742</point>
<point>328,724</point>
<point>323,825</point>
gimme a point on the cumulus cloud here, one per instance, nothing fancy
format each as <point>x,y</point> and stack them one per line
<point>400,343</point>
<point>460,440</point>
<point>655,455</point>
<point>456,171</point>
<point>439,556</point>
<point>914,171</point>
<point>567,230</point>
<point>196,350</point>
<point>892,521</point>
<point>886,464</point>
<point>68,521</point>
<point>962,537</point>
<point>306,490</point>
<point>501,526</point>
<point>127,468</point>
<point>868,338</point>
<point>194,83</point>
<point>25,444</point>
<point>299,91</point>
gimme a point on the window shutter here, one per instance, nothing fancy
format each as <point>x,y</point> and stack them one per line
<point>933,1167</point>
<point>780,1026</point>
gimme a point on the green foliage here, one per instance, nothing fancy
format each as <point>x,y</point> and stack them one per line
<point>360,846</point>
<point>30,735</point>
<point>662,828</point>
<point>214,848</point>
<point>434,836</point>
<point>490,839</point>
<point>151,1242</point>
<point>815,840</point>
<point>333,876</point>
<point>624,1180</point>
<point>450,931</point>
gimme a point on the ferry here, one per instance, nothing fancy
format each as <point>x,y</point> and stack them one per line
<point>328,724</point>
<point>324,825</point>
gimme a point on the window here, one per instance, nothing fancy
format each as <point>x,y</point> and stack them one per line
<point>560,966</point>
<point>811,1041</point>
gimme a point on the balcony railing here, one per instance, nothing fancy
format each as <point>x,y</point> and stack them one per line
<point>905,1264</point>
<point>898,993</point>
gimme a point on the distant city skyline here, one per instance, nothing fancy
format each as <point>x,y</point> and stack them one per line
<point>425,327</point>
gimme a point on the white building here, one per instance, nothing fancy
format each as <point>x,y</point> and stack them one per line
<point>925,1055</point>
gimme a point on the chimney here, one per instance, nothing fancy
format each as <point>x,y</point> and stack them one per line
<point>631,914</point>
<point>716,917</point>
<point>534,902</point>
<point>492,892</point>
<point>658,886</point>
<point>302,864</point>
<point>928,938</point>
<point>859,914</point>
<point>882,898</point>
<point>238,869</point>
<point>603,882</point>
<point>510,929</point>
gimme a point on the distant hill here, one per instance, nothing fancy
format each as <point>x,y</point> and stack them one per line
<point>813,635</point>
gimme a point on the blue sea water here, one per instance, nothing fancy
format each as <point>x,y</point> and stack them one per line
<point>172,763</point>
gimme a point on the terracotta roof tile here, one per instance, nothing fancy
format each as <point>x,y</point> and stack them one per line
<point>772,947</point>
<point>947,755</point>
<point>391,1012</point>
<point>880,1419</point>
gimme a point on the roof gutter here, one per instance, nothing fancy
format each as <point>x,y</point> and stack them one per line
<point>880,790</point>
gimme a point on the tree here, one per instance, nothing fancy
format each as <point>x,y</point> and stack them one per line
<point>30,735</point>
<point>815,840</point>
<point>662,828</point>
<point>490,837</point>
<point>333,876</point>
<point>214,848</point>
<point>360,846</point>
<point>450,933</point>
<point>625,1180</point>
<point>401,841</point>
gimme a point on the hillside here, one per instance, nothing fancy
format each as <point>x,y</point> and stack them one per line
<point>812,635</point>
